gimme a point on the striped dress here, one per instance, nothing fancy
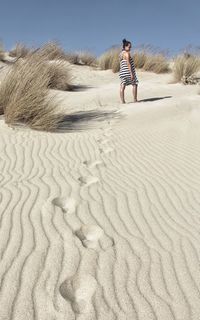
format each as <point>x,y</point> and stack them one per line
<point>124,73</point>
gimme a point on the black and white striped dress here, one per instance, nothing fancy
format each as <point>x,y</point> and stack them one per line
<point>124,73</point>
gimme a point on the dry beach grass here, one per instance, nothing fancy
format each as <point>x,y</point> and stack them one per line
<point>20,51</point>
<point>143,59</point>
<point>24,92</point>
<point>185,65</point>
<point>24,95</point>
<point>59,75</point>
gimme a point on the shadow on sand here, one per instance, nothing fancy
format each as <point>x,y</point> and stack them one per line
<point>82,120</point>
<point>154,99</point>
<point>79,87</point>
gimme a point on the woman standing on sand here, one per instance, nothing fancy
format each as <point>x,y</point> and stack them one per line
<point>127,72</point>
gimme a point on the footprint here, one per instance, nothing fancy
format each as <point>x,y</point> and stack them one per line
<point>92,164</point>
<point>108,133</point>
<point>108,129</point>
<point>88,180</point>
<point>107,243</point>
<point>106,150</point>
<point>79,290</point>
<point>89,235</point>
<point>103,141</point>
<point>66,204</point>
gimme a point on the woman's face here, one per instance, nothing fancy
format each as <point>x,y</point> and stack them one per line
<point>128,47</point>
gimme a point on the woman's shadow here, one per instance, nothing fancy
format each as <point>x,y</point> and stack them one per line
<point>154,99</point>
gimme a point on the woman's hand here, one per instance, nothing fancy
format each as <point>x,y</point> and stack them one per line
<point>132,77</point>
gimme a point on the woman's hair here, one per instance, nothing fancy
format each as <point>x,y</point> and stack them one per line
<point>125,43</point>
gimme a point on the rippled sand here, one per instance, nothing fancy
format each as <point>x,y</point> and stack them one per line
<point>104,223</point>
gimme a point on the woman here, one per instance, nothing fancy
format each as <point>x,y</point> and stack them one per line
<point>127,72</point>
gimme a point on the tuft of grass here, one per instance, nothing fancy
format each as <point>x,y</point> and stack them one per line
<point>110,60</point>
<point>20,51</point>
<point>104,60</point>
<point>59,76</point>
<point>185,66</point>
<point>72,57</point>
<point>51,51</point>
<point>86,58</point>
<point>156,63</point>
<point>81,58</point>
<point>2,52</point>
<point>150,58</point>
<point>2,55</point>
<point>115,63</point>
<point>139,58</point>
<point>143,59</point>
<point>24,95</point>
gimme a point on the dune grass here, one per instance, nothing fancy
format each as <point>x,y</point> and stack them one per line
<point>59,76</point>
<point>20,51</point>
<point>72,57</point>
<point>144,59</point>
<point>2,52</point>
<point>140,58</point>
<point>24,95</point>
<point>110,60</point>
<point>53,58</point>
<point>81,58</point>
<point>115,64</point>
<point>2,55</point>
<point>185,66</point>
<point>150,58</point>
<point>156,63</point>
<point>86,58</point>
<point>51,51</point>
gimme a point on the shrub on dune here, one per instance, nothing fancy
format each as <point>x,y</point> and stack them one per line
<point>115,63</point>
<point>59,76</point>
<point>139,58</point>
<point>142,59</point>
<point>104,60</point>
<point>2,52</point>
<point>81,58</point>
<point>156,63</point>
<point>51,51</point>
<point>72,57</point>
<point>24,95</point>
<point>185,66</point>
<point>51,56</point>
<point>86,58</point>
<point>110,60</point>
<point>150,58</point>
<point>2,55</point>
<point>20,51</point>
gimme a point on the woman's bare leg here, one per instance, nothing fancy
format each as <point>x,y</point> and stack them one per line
<point>122,88</point>
<point>135,92</point>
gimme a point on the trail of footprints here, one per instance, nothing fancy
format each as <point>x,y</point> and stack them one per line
<point>80,288</point>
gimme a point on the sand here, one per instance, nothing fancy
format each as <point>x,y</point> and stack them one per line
<point>104,223</point>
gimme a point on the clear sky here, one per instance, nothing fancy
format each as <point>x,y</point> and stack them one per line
<point>97,25</point>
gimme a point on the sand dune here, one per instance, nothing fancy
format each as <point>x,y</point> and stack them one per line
<point>104,223</point>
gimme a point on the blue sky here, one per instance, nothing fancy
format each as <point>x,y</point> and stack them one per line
<point>97,25</point>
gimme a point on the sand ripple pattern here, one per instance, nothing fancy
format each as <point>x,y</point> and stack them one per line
<point>147,202</point>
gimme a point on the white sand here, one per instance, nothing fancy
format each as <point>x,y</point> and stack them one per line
<point>131,186</point>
